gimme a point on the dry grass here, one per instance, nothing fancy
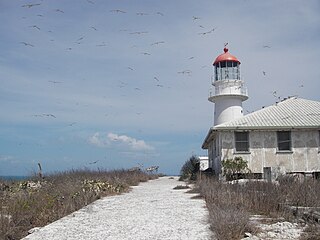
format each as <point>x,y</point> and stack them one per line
<point>230,205</point>
<point>35,203</point>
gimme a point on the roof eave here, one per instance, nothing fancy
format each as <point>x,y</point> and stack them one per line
<point>265,127</point>
<point>208,138</point>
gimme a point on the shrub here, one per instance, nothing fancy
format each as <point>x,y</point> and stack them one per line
<point>234,168</point>
<point>35,203</point>
<point>190,169</point>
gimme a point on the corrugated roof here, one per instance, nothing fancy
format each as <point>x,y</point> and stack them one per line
<point>290,113</point>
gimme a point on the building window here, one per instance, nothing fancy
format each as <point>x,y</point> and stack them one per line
<point>242,141</point>
<point>284,140</point>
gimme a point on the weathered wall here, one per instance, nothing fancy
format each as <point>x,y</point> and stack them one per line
<point>304,157</point>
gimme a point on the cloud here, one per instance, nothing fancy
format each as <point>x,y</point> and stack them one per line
<point>121,141</point>
<point>5,158</point>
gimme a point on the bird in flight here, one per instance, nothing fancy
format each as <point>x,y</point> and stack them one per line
<point>59,10</point>
<point>156,43</point>
<point>31,5</point>
<point>160,13</point>
<point>44,115</point>
<point>131,68</point>
<point>195,18</point>
<point>185,72</point>
<point>35,26</point>
<point>155,78</point>
<point>117,11</point>
<point>264,73</point>
<point>266,46</point>
<point>139,32</point>
<point>54,81</point>
<point>94,28</point>
<point>94,162</point>
<point>27,44</point>
<point>145,53</point>
<point>204,33</point>
<point>142,14</point>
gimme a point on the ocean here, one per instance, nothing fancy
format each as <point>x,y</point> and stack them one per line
<point>14,178</point>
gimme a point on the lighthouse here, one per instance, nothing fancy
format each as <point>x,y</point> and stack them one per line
<point>229,90</point>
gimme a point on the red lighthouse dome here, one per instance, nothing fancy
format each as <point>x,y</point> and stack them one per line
<point>226,56</point>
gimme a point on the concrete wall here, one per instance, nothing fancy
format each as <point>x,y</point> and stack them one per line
<point>305,156</point>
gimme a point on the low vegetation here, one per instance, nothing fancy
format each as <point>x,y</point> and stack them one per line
<point>230,205</point>
<point>190,169</point>
<point>39,201</point>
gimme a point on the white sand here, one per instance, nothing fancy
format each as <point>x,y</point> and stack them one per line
<point>152,210</point>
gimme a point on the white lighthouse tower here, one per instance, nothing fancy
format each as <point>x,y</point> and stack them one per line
<point>229,90</point>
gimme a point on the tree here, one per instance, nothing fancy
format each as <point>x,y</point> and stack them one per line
<point>232,168</point>
<point>190,169</point>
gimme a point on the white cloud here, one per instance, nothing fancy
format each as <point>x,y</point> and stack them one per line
<point>121,141</point>
<point>6,158</point>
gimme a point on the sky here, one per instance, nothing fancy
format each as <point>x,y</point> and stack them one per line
<point>113,84</point>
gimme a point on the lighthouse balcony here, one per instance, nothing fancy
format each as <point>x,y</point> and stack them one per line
<point>221,91</point>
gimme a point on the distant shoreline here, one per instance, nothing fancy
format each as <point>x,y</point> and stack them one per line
<point>14,178</point>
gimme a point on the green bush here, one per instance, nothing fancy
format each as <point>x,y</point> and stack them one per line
<point>234,168</point>
<point>190,169</point>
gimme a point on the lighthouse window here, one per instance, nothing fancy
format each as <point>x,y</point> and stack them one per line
<point>242,141</point>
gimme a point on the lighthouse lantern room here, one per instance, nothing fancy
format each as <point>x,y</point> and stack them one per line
<point>229,90</point>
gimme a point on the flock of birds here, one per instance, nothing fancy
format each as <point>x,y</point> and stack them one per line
<point>157,81</point>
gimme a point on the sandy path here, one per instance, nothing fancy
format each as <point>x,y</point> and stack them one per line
<point>152,210</point>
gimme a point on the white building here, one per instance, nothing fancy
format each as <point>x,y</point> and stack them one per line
<point>282,138</point>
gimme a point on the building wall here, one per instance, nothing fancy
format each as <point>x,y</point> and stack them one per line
<point>305,156</point>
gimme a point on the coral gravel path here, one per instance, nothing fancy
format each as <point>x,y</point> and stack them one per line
<point>152,210</point>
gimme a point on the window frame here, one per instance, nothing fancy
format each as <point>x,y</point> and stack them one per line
<point>282,141</point>
<point>237,141</point>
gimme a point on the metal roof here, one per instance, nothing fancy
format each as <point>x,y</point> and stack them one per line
<point>288,114</point>
<point>291,113</point>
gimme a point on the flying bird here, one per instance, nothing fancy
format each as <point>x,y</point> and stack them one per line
<point>145,53</point>
<point>155,78</point>
<point>35,26</point>
<point>264,73</point>
<point>94,162</point>
<point>156,43</point>
<point>131,68</point>
<point>49,115</point>
<point>266,46</point>
<point>185,72</point>
<point>27,44</point>
<point>94,28</point>
<point>204,33</point>
<point>139,32</point>
<point>117,11</point>
<point>142,14</point>
<point>54,81</point>
<point>160,13</point>
<point>195,18</point>
<point>59,10</point>
<point>31,5</point>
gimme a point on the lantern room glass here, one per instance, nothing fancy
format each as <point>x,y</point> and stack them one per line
<point>227,70</point>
